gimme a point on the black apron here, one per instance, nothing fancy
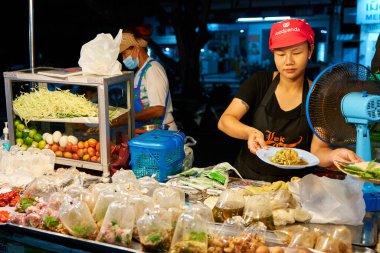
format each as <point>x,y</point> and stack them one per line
<point>287,129</point>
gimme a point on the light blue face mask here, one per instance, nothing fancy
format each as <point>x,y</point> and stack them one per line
<point>130,63</point>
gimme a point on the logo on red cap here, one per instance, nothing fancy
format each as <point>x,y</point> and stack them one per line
<point>290,32</point>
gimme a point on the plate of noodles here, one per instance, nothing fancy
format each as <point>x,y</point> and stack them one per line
<point>288,158</point>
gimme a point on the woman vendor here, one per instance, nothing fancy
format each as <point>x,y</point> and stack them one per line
<point>269,108</point>
<point>153,104</point>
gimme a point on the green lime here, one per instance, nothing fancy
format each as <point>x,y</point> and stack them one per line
<point>34,144</point>
<point>32,132</point>
<point>20,127</point>
<point>17,122</point>
<point>41,144</point>
<point>19,141</point>
<point>25,134</point>
<point>37,137</point>
<point>28,141</point>
<point>18,134</point>
<point>24,146</point>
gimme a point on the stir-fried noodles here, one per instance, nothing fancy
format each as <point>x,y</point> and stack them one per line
<point>287,157</point>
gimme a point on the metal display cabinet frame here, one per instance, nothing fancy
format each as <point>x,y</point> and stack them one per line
<point>101,83</point>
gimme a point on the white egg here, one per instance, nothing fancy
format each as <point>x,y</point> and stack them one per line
<point>63,141</point>
<point>49,139</point>
<point>56,136</point>
<point>72,139</point>
<point>44,136</point>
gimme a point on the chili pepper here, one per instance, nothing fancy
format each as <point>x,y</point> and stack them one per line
<point>14,201</point>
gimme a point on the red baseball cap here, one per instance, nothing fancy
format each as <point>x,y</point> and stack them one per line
<point>290,32</point>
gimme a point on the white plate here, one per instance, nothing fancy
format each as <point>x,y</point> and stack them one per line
<point>266,155</point>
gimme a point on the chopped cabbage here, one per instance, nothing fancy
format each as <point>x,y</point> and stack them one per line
<point>45,104</point>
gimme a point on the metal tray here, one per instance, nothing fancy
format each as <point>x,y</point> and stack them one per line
<point>363,235</point>
<point>59,242</point>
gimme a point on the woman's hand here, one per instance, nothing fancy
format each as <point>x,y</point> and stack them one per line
<point>344,155</point>
<point>122,119</point>
<point>256,141</point>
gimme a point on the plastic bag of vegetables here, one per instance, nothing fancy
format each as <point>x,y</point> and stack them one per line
<point>118,224</point>
<point>139,203</point>
<point>155,230</point>
<point>105,198</point>
<point>77,219</point>
<point>190,234</point>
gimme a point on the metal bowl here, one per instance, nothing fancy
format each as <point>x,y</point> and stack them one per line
<point>151,127</point>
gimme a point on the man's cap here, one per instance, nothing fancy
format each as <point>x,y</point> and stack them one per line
<point>129,40</point>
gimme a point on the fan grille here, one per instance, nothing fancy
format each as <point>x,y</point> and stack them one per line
<point>324,99</point>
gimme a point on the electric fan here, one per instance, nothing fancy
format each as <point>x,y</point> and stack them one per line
<point>342,104</point>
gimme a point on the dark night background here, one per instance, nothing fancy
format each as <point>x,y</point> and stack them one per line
<point>62,27</point>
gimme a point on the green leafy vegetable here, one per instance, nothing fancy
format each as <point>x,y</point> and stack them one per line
<point>50,222</point>
<point>81,231</point>
<point>155,237</point>
<point>198,236</point>
<point>25,203</point>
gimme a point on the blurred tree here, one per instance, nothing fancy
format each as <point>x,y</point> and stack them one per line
<point>189,20</point>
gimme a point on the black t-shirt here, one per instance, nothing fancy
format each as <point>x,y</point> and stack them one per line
<point>252,92</point>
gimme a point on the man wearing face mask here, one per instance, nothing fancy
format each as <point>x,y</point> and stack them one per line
<point>153,104</point>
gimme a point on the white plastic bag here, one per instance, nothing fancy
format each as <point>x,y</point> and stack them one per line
<point>330,200</point>
<point>189,153</point>
<point>99,56</point>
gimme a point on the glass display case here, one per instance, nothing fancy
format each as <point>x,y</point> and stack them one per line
<point>94,135</point>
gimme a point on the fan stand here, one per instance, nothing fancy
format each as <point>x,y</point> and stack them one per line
<point>363,142</point>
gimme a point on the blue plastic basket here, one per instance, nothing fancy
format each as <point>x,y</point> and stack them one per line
<point>159,152</point>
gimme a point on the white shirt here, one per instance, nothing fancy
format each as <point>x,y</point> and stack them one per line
<point>154,89</point>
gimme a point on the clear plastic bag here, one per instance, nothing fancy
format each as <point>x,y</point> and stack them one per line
<point>155,230</point>
<point>50,212</point>
<point>139,203</point>
<point>96,189</point>
<point>99,56</point>
<point>82,194</point>
<point>189,153</point>
<point>304,239</point>
<point>104,199</point>
<point>336,240</point>
<point>235,238</point>
<point>77,219</point>
<point>167,197</point>
<point>124,176</point>
<point>118,224</point>
<point>148,185</point>
<point>230,203</point>
<point>258,208</point>
<point>202,210</point>
<point>190,234</point>
<point>42,187</point>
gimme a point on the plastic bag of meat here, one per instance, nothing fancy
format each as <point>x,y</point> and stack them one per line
<point>50,218</point>
<point>77,219</point>
<point>117,224</point>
